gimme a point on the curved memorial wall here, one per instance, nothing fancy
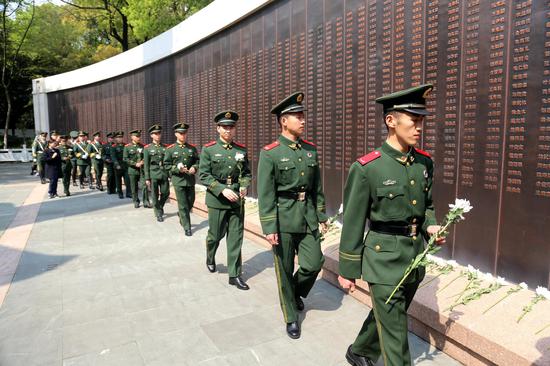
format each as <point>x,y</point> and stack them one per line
<point>490,135</point>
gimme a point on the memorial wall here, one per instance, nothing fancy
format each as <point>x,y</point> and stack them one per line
<point>489,136</point>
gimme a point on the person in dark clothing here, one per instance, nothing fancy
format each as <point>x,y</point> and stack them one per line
<point>52,159</point>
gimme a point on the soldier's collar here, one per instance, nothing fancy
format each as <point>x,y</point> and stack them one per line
<point>225,145</point>
<point>402,158</point>
<point>292,144</point>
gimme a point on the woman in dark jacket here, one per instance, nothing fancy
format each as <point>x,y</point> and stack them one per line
<point>52,159</point>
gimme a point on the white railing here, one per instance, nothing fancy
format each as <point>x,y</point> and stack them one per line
<point>11,155</point>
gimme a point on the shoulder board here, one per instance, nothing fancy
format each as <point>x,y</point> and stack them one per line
<point>239,145</point>
<point>113,145</point>
<point>365,159</point>
<point>308,142</point>
<point>422,152</point>
<point>272,145</point>
<point>171,145</point>
<point>127,145</point>
<point>210,143</point>
<point>165,145</point>
<point>147,145</point>
<point>191,145</point>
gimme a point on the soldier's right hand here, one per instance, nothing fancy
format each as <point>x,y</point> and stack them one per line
<point>273,239</point>
<point>230,195</point>
<point>346,284</point>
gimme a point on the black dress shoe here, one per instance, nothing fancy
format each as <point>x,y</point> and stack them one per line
<point>357,360</point>
<point>121,196</point>
<point>67,194</point>
<point>100,188</point>
<point>299,303</point>
<point>211,267</point>
<point>92,186</point>
<point>188,232</point>
<point>293,330</point>
<point>160,218</point>
<point>238,282</point>
<point>43,181</point>
<point>136,204</point>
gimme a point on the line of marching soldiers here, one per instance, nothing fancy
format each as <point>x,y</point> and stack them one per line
<point>390,188</point>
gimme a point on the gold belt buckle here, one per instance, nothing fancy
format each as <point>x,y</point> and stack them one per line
<point>301,196</point>
<point>413,229</point>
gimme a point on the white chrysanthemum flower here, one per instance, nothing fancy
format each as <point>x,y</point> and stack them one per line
<point>501,281</point>
<point>543,291</point>
<point>488,277</point>
<point>471,268</point>
<point>341,209</point>
<point>523,285</point>
<point>452,263</point>
<point>239,157</point>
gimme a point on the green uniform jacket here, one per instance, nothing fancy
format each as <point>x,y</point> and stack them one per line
<point>186,154</point>
<point>286,167</point>
<point>96,148</point>
<point>133,153</point>
<point>37,149</point>
<point>117,154</point>
<point>107,153</point>
<point>219,170</point>
<point>390,187</point>
<point>153,159</point>
<point>81,153</point>
<point>66,153</point>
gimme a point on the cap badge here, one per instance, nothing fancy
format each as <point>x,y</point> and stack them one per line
<point>299,98</point>
<point>228,115</point>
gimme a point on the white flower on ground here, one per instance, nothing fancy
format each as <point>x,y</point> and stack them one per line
<point>239,157</point>
<point>501,281</point>
<point>341,209</point>
<point>488,277</point>
<point>471,268</point>
<point>543,291</point>
<point>523,285</point>
<point>437,260</point>
<point>452,263</point>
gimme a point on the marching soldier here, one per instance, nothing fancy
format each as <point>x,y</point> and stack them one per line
<point>40,144</point>
<point>96,150</point>
<point>391,187</point>
<point>121,172</point>
<point>133,157</point>
<point>181,161</point>
<point>66,153</point>
<point>55,136</point>
<point>71,142</point>
<point>111,185</point>
<point>225,172</point>
<point>156,177</point>
<point>82,158</point>
<point>292,206</point>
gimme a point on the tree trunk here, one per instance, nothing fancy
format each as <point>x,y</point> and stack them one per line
<point>8,115</point>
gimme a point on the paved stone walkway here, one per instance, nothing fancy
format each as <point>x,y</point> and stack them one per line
<point>102,283</point>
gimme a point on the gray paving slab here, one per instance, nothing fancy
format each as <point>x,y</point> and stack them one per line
<point>102,283</point>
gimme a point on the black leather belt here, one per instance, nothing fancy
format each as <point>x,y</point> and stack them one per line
<point>394,228</point>
<point>298,196</point>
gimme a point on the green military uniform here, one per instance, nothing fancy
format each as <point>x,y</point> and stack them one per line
<point>133,155</point>
<point>393,190</point>
<point>291,204</point>
<point>219,170</point>
<point>67,154</point>
<point>37,149</point>
<point>153,169</point>
<point>74,171</point>
<point>177,156</point>
<point>82,159</point>
<point>111,185</point>
<point>96,150</point>
<point>121,171</point>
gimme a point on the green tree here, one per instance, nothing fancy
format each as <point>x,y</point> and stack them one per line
<point>10,52</point>
<point>150,18</point>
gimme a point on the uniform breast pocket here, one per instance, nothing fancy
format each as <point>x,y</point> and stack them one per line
<point>287,171</point>
<point>392,201</point>
<point>218,166</point>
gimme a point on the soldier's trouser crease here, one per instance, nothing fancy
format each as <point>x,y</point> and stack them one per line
<point>160,190</point>
<point>84,173</point>
<point>384,332</point>
<point>220,223</point>
<point>310,260</point>
<point>98,171</point>
<point>186,199</point>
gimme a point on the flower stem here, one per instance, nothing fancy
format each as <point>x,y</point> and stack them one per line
<point>545,327</point>
<point>430,281</point>
<point>447,285</point>
<point>496,303</point>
